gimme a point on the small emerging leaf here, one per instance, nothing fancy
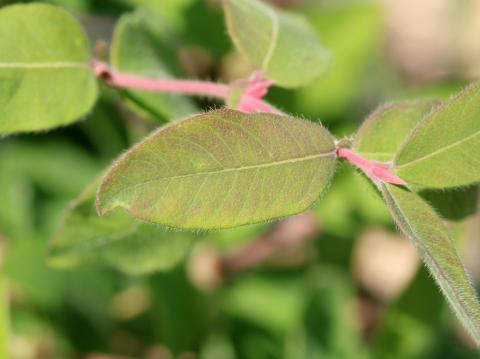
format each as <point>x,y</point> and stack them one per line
<point>45,79</point>
<point>418,221</point>
<point>443,149</point>
<point>119,240</point>
<point>140,47</point>
<point>382,133</point>
<point>222,169</point>
<point>281,44</point>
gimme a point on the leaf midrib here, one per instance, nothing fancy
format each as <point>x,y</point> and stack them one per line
<point>275,21</point>
<point>240,168</point>
<point>443,149</point>
<point>274,37</point>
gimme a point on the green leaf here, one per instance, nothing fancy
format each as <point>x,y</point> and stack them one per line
<point>419,222</point>
<point>222,169</point>
<point>384,130</point>
<point>140,47</point>
<point>119,240</point>
<point>443,149</point>
<point>282,44</point>
<point>45,80</point>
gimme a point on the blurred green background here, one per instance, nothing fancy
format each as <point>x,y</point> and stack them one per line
<point>349,288</point>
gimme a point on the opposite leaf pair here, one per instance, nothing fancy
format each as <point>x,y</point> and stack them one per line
<point>432,145</point>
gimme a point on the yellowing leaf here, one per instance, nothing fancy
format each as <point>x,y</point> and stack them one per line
<point>443,150</point>
<point>419,222</point>
<point>222,169</point>
<point>45,80</point>
<point>382,133</point>
<point>281,44</point>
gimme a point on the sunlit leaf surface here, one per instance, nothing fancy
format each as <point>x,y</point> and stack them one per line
<point>45,80</point>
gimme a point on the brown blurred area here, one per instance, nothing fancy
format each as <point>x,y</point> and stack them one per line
<point>433,39</point>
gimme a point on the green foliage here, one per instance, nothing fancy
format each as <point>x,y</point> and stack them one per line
<point>118,240</point>
<point>379,138</point>
<point>141,46</point>
<point>222,169</point>
<point>454,204</point>
<point>385,129</point>
<point>441,151</point>
<point>409,326</point>
<point>218,170</point>
<point>45,80</point>
<point>4,316</point>
<point>56,168</point>
<point>353,34</point>
<point>281,44</point>
<point>419,222</point>
<point>277,305</point>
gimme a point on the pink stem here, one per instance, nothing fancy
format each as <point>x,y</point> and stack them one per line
<point>376,171</point>
<point>191,87</point>
<point>251,104</point>
<point>251,101</point>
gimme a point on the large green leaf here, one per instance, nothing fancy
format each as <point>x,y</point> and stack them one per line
<point>45,80</point>
<point>282,44</point>
<point>419,222</point>
<point>443,149</point>
<point>119,240</point>
<point>222,169</point>
<point>384,130</point>
<point>140,47</point>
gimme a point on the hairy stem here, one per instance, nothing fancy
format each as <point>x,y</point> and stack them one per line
<point>251,101</point>
<point>376,171</point>
<point>190,87</point>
